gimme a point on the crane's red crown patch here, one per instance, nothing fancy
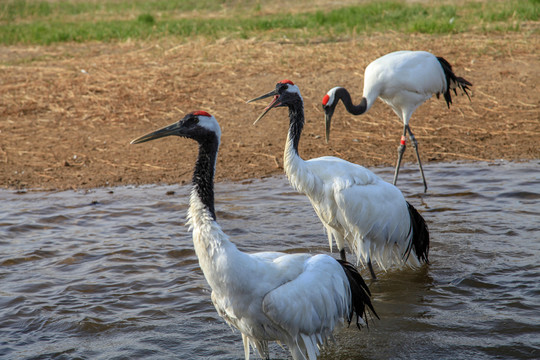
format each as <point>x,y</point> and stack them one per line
<point>286,82</point>
<point>201,113</point>
<point>325,99</point>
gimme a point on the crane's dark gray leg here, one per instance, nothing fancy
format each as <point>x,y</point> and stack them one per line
<point>342,254</point>
<point>415,146</point>
<point>401,149</point>
<point>370,267</point>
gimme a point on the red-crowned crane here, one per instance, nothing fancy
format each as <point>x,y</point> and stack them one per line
<point>404,80</point>
<point>295,299</point>
<point>355,205</point>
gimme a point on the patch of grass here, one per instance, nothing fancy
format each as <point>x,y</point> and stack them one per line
<point>146,19</point>
<point>14,10</point>
<point>396,16</point>
<point>42,22</point>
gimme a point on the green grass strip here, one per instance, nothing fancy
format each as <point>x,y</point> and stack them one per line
<point>33,22</point>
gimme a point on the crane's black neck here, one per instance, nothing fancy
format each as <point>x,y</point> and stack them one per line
<point>203,176</point>
<point>344,95</point>
<point>296,123</point>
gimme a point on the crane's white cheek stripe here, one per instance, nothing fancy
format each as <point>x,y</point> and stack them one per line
<point>210,123</point>
<point>330,96</point>
<point>295,89</point>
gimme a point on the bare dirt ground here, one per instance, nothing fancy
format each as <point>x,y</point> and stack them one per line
<point>69,111</point>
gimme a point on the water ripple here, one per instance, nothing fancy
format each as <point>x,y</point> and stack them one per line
<point>112,274</point>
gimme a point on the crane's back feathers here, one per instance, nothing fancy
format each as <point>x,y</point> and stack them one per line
<point>358,208</point>
<point>312,304</point>
<point>452,81</point>
<point>359,294</point>
<point>420,236</point>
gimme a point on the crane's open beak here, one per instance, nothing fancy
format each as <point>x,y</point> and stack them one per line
<point>172,129</point>
<point>273,104</point>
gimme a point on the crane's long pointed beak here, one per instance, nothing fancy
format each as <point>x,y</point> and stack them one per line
<point>273,104</point>
<point>172,129</point>
<point>271,93</point>
<point>328,122</point>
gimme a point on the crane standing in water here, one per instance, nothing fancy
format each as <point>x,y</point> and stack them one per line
<point>404,80</point>
<point>295,299</point>
<point>354,205</point>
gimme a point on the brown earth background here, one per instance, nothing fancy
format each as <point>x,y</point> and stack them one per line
<point>69,111</point>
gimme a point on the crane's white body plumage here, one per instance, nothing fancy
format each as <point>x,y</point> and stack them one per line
<point>356,207</point>
<point>296,299</point>
<point>404,80</point>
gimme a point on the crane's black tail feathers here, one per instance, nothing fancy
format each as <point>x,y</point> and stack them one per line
<point>420,236</point>
<point>452,82</point>
<point>360,294</point>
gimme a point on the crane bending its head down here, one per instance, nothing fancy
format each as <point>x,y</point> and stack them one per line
<point>356,207</point>
<point>404,80</point>
<point>295,299</point>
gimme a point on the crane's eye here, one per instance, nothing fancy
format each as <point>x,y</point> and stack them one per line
<point>191,121</point>
<point>283,88</point>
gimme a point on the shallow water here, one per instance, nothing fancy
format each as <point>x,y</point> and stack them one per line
<point>111,273</point>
